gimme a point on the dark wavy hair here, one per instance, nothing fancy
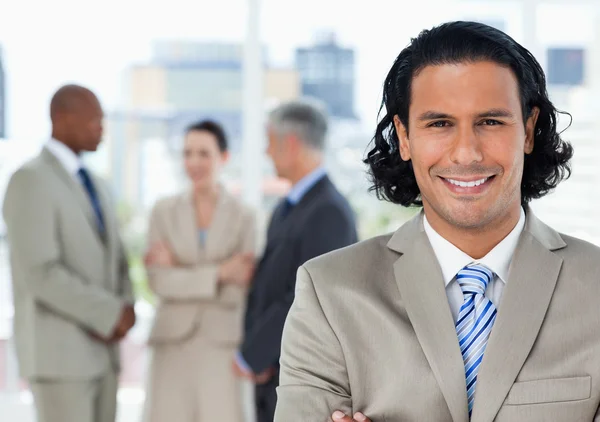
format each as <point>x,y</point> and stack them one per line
<point>458,42</point>
<point>213,128</point>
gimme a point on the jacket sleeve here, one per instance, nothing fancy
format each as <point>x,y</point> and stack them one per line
<point>249,232</point>
<point>179,283</point>
<point>34,246</point>
<point>313,378</point>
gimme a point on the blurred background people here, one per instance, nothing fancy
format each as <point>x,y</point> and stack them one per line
<point>313,219</point>
<point>73,298</point>
<point>200,262</point>
<point>173,72</point>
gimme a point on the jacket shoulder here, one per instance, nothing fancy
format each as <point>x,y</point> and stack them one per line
<point>350,262</point>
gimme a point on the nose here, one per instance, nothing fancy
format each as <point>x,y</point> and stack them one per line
<point>466,148</point>
<point>97,128</point>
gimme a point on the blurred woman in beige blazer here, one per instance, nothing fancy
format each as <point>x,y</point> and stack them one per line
<point>199,264</point>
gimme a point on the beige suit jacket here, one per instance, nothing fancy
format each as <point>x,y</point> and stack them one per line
<point>190,295</point>
<point>67,280</point>
<point>371,330</point>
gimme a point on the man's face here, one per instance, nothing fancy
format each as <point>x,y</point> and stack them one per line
<point>85,124</point>
<point>281,152</point>
<point>466,139</point>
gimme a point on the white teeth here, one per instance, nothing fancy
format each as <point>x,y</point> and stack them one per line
<point>470,184</point>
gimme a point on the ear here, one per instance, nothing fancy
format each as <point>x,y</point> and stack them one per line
<point>530,130</point>
<point>225,157</point>
<point>293,144</point>
<point>404,143</point>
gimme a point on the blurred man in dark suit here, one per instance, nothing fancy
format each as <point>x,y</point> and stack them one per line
<point>313,219</point>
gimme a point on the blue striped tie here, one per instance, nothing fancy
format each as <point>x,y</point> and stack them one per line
<point>475,321</point>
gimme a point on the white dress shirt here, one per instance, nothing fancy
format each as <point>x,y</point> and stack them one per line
<point>69,160</point>
<point>452,260</point>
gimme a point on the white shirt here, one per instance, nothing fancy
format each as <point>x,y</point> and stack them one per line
<point>69,160</point>
<point>452,260</point>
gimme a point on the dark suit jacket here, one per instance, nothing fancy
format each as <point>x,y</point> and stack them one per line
<point>321,222</point>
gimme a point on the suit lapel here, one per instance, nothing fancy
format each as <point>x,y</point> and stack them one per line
<point>220,224</point>
<point>276,218</point>
<point>108,214</point>
<point>314,192</point>
<point>532,279</point>
<point>78,190</point>
<point>280,224</point>
<point>526,297</point>
<point>187,229</point>
<point>421,286</point>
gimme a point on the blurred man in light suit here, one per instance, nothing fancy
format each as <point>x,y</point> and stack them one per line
<point>72,295</point>
<point>475,310</point>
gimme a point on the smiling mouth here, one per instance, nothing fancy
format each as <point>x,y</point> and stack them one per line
<point>467,184</point>
<point>468,187</point>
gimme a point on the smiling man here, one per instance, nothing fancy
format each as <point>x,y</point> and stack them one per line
<point>474,310</point>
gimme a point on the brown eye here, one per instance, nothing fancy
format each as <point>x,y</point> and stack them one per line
<point>439,123</point>
<point>491,122</point>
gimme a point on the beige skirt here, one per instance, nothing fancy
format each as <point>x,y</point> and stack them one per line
<point>193,381</point>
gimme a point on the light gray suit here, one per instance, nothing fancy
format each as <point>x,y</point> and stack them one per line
<point>371,330</point>
<point>68,281</point>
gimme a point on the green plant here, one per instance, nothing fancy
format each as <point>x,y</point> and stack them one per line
<point>139,279</point>
<point>133,233</point>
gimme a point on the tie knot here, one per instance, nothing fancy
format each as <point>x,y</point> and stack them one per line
<point>286,207</point>
<point>83,174</point>
<point>474,279</point>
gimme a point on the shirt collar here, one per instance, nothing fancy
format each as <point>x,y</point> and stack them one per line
<point>69,160</point>
<point>305,184</point>
<point>452,259</point>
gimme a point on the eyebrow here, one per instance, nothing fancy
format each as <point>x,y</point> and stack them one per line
<point>494,112</point>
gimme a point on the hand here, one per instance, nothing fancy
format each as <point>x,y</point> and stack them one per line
<point>239,371</point>
<point>99,338</point>
<point>341,417</point>
<point>262,378</point>
<point>160,254</point>
<point>125,323</point>
<point>238,270</point>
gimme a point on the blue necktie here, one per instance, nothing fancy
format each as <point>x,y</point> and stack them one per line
<point>475,321</point>
<point>86,180</point>
<point>286,207</point>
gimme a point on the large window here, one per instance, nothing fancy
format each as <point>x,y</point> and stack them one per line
<point>566,66</point>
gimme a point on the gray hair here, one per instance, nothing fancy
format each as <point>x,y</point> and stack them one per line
<point>306,118</point>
